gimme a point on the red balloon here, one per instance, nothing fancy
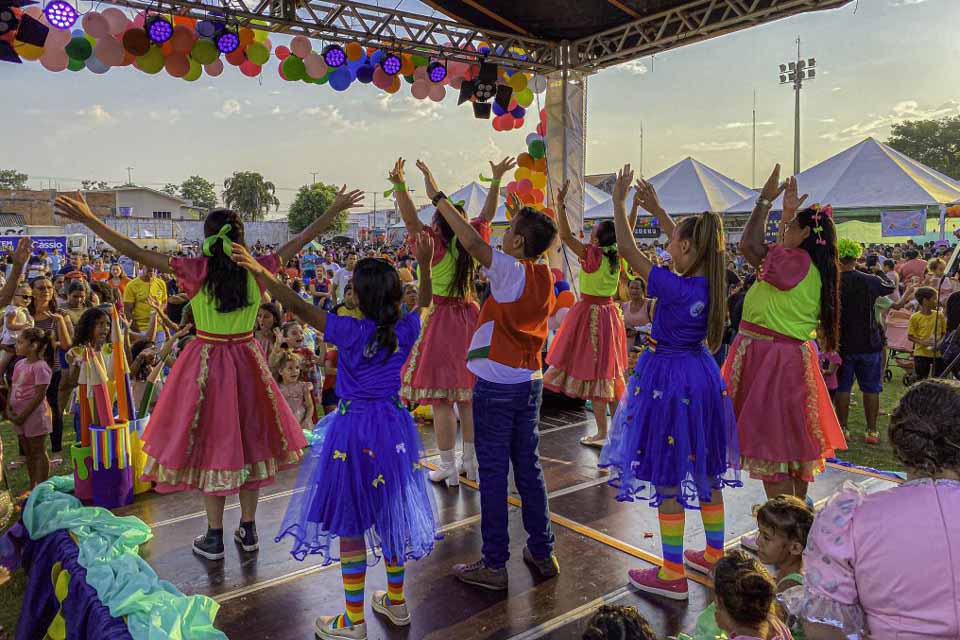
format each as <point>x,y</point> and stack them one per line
<point>236,58</point>
<point>512,186</point>
<point>543,115</point>
<point>524,186</point>
<point>177,65</point>
<point>250,69</point>
<point>517,123</point>
<point>537,195</point>
<point>541,130</point>
<point>507,121</point>
<point>283,52</point>
<point>557,274</point>
<point>550,213</point>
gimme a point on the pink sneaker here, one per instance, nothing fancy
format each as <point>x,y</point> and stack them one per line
<point>697,561</point>
<point>648,581</point>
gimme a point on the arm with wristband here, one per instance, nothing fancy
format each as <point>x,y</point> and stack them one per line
<point>471,240</point>
<point>408,211</point>
<point>344,200</point>
<point>493,195</point>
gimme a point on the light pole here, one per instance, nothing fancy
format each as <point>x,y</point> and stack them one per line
<point>795,73</point>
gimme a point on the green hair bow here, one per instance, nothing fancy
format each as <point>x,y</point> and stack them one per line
<point>222,236</point>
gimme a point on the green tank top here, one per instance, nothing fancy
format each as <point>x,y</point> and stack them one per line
<point>601,283</point>
<point>207,319</point>
<point>794,312</point>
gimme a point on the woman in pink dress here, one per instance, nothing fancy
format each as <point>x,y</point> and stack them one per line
<point>887,565</point>
<point>220,425</point>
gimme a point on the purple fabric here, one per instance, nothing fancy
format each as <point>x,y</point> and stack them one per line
<point>87,618</point>
<point>112,487</point>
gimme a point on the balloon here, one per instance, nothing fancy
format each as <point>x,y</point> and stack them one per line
<point>538,179</point>
<point>182,39</point>
<point>393,88</point>
<point>522,173</point>
<point>177,65</point>
<point>140,19</point>
<point>314,65</point>
<point>455,68</point>
<point>518,81</point>
<point>525,160</point>
<point>257,53</point>
<point>152,61</point>
<point>282,52</point>
<point>250,69</point>
<point>259,35</point>
<point>214,69</point>
<point>365,74</point>
<point>136,41</point>
<point>340,79</point>
<point>380,79</point>
<point>507,121</point>
<point>530,138</point>
<point>205,52</point>
<point>75,65</point>
<point>109,51</point>
<point>550,213</point>
<point>300,46</point>
<point>537,194</point>
<point>498,110</point>
<point>354,51</point>
<point>538,84</point>
<point>419,61</point>
<point>293,68</point>
<point>35,12</point>
<point>455,82</point>
<point>518,123</point>
<point>566,300</point>
<point>78,48</point>
<point>557,274</point>
<point>524,186</point>
<point>420,89</point>
<point>437,93</point>
<point>246,35</point>
<point>537,149</point>
<point>406,66</point>
<point>196,70</point>
<point>96,25</point>
<point>186,21</point>
<point>56,38</point>
<point>28,51</point>
<point>518,112</point>
<point>512,186</point>
<point>236,58</point>
<point>524,98</point>
<point>267,43</point>
<point>54,59</point>
<point>561,285</point>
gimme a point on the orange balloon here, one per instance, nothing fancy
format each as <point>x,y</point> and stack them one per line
<point>183,39</point>
<point>566,299</point>
<point>395,86</point>
<point>167,48</point>
<point>540,165</point>
<point>354,51</point>
<point>186,21</point>
<point>550,213</point>
<point>525,160</point>
<point>247,35</point>
<point>407,67</point>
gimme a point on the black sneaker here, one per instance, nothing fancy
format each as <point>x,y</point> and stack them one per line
<point>549,567</point>
<point>246,536</point>
<point>480,575</point>
<point>210,545</point>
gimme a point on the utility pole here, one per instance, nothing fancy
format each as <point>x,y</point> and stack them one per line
<point>641,148</point>
<point>315,174</point>
<point>130,175</point>
<point>794,73</point>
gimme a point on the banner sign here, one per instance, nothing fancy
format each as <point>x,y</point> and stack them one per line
<point>647,228</point>
<point>40,243</point>
<point>772,232</point>
<point>903,223</point>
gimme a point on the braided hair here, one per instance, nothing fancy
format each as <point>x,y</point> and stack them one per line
<point>924,429</point>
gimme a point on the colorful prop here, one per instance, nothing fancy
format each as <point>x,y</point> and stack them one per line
<point>903,223</point>
<point>953,211</point>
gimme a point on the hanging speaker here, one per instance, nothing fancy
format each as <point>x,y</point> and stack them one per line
<point>504,93</point>
<point>481,110</point>
<point>467,87</point>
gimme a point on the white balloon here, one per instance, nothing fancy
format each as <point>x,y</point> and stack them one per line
<point>95,66</point>
<point>537,84</point>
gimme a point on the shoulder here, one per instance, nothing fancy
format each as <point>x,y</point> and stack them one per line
<point>784,268</point>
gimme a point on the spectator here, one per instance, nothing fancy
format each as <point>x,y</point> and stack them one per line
<point>618,623</point>
<point>914,267</point>
<point>342,277</point>
<point>137,296</point>
<point>927,326</point>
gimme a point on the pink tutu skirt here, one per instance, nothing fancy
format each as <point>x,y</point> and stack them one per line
<point>786,420</point>
<point>221,423</point>
<point>436,371</point>
<point>588,357</point>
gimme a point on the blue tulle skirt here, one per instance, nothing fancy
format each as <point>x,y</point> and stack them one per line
<point>674,434</point>
<point>362,478</point>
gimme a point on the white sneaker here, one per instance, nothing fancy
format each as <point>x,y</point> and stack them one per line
<point>471,469</point>
<point>448,471</point>
<point>323,629</point>
<point>398,614</point>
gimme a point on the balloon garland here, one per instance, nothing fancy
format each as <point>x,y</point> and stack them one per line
<point>530,178</point>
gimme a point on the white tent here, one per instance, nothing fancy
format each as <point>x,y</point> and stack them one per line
<point>869,175</point>
<point>473,196</point>
<point>592,196</point>
<point>687,187</point>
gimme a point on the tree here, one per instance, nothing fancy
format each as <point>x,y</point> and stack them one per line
<point>247,193</point>
<point>310,203</point>
<point>12,179</point>
<point>935,143</point>
<point>171,189</point>
<point>200,191</point>
<point>89,185</point>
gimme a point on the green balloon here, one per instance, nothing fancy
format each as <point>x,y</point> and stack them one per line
<point>409,79</point>
<point>419,61</point>
<point>258,54</point>
<point>152,61</point>
<point>205,51</point>
<point>196,70</point>
<point>322,80</point>
<point>75,65</point>
<point>79,48</point>
<point>293,68</point>
<point>537,149</point>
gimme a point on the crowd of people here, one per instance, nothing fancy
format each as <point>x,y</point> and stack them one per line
<point>700,359</point>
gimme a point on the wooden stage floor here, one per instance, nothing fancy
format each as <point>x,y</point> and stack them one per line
<point>269,595</point>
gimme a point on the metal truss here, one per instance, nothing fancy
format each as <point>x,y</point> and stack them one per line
<point>344,21</point>
<point>685,24</point>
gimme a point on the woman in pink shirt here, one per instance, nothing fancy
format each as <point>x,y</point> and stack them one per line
<point>887,565</point>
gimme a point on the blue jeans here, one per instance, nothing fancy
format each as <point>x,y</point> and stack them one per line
<point>506,421</point>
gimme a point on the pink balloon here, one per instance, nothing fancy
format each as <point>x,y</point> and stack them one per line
<point>524,186</point>
<point>301,47</point>
<point>215,68</point>
<point>109,51</point>
<point>438,93</point>
<point>139,20</point>
<point>54,59</point>
<point>268,44</point>
<point>455,68</point>
<point>96,25</point>
<point>380,79</point>
<point>420,73</point>
<point>282,52</point>
<point>420,89</point>
<point>250,69</point>
<point>116,19</point>
<point>57,38</point>
<point>35,12</point>
<point>455,82</point>
<point>317,68</point>
<point>517,123</point>
<point>177,65</point>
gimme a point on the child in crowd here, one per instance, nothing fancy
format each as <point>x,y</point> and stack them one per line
<point>784,524</point>
<point>349,306</point>
<point>830,362</point>
<point>329,397</point>
<point>16,318</point>
<point>674,439</point>
<point>27,408</point>
<point>268,323</point>
<point>505,357</point>
<point>363,482</point>
<point>618,623</point>
<point>745,595</point>
<point>927,326</point>
<point>297,393</point>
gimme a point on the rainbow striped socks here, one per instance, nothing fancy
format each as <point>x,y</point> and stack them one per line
<point>712,514</point>
<point>671,537</point>
<point>353,567</point>
<point>394,582</point>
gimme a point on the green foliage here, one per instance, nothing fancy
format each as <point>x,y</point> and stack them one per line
<point>310,203</point>
<point>12,179</point>
<point>90,185</point>
<point>200,191</point>
<point>247,193</point>
<point>935,143</point>
<point>171,189</point>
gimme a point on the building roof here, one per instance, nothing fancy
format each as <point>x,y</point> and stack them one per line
<point>162,194</point>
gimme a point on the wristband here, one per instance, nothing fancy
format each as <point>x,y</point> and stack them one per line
<point>398,187</point>
<point>440,195</point>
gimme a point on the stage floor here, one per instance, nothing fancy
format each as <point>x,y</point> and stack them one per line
<point>269,595</point>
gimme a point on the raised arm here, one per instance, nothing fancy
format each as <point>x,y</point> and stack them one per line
<point>408,211</point>
<point>76,209</point>
<point>566,234</point>
<point>493,195</point>
<point>626,243</point>
<point>752,244</point>
<point>20,256</point>
<point>646,196</point>
<point>424,254</point>
<point>292,302</point>
<point>466,234</point>
<point>791,203</point>
<point>343,201</point>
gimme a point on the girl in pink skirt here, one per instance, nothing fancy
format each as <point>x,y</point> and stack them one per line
<point>588,356</point>
<point>221,424</point>
<point>436,372</point>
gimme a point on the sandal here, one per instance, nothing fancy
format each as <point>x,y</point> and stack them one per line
<point>592,441</point>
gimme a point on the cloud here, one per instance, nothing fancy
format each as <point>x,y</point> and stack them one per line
<point>826,120</point>
<point>96,114</point>
<point>634,68</point>
<point>421,109</point>
<point>229,108</point>
<point>773,134</point>
<point>170,116</point>
<point>383,101</point>
<point>899,112</point>
<point>744,125</point>
<point>333,119</point>
<point>835,89</point>
<point>276,110</point>
<point>715,146</point>
<point>905,3</point>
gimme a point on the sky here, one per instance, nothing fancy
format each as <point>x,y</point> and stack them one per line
<point>879,62</point>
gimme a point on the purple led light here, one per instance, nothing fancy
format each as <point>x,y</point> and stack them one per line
<point>228,42</point>
<point>61,14</point>
<point>334,56</point>
<point>437,71</point>
<point>391,64</point>
<point>159,30</point>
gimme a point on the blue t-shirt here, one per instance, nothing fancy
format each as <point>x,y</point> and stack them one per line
<point>127,265</point>
<point>682,311</point>
<point>362,378</point>
<point>309,262</point>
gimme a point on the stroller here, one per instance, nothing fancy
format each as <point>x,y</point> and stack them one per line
<point>899,346</point>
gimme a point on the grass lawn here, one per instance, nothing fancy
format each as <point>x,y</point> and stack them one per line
<point>876,456</point>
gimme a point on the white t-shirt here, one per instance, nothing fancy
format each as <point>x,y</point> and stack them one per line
<point>508,278</point>
<point>20,316</point>
<point>340,280</point>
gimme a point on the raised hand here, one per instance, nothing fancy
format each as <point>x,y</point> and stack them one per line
<point>346,199</point>
<point>22,253</point>
<point>502,167</point>
<point>396,174</point>
<point>75,208</point>
<point>431,184</point>
<point>791,202</point>
<point>773,188</point>
<point>513,204</point>
<point>622,185</point>
<point>424,248</point>
<point>646,196</point>
<point>183,331</point>
<point>243,258</point>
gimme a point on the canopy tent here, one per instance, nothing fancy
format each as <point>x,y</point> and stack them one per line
<point>592,196</point>
<point>869,175</point>
<point>687,187</point>
<point>473,196</point>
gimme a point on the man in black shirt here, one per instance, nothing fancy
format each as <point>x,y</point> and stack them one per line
<point>861,342</point>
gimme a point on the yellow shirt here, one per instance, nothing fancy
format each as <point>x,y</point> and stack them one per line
<point>138,291</point>
<point>922,326</point>
<point>342,310</point>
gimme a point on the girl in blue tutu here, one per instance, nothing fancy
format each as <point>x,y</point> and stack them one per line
<point>362,480</point>
<point>674,435</point>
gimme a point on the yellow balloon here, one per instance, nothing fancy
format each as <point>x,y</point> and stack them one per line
<point>522,173</point>
<point>538,179</point>
<point>518,81</point>
<point>28,51</point>
<point>537,205</point>
<point>259,35</point>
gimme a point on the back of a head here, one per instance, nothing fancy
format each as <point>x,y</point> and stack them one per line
<point>787,515</point>
<point>705,233</point>
<point>537,229</point>
<point>379,291</point>
<point>226,281</point>
<point>912,254</point>
<point>744,588</point>
<point>618,623</point>
<point>925,429</point>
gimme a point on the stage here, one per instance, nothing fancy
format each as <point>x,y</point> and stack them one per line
<point>270,595</point>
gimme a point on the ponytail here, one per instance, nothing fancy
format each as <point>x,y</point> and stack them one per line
<point>705,232</point>
<point>379,292</point>
<point>607,239</point>
<point>822,247</point>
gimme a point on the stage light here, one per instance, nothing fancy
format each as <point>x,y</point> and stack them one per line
<point>228,42</point>
<point>60,14</point>
<point>391,63</point>
<point>159,29</point>
<point>437,71</point>
<point>334,56</point>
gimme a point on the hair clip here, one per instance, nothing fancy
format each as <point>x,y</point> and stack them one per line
<point>828,211</point>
